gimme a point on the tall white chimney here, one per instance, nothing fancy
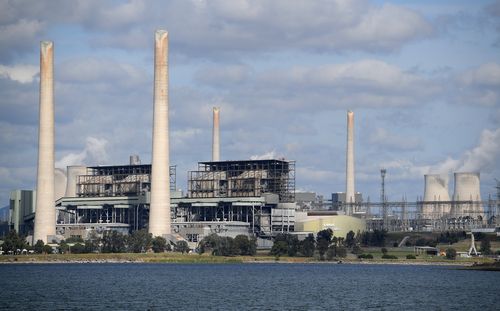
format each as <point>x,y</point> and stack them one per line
<point>215,136</point>
<point>159,210</point>
<point>45,212</point>
<point>349,188</point>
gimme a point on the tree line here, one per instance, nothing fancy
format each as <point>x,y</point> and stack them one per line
<point>111,242</point>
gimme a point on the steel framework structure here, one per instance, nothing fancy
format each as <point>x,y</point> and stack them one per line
<point>118,180</point>
<point>249,178</point>
<point>406,216</point>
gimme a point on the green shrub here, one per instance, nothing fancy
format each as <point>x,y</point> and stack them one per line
<point>365,256</point>
<point>451,253</point>
<point>389,257</point>
<point>410,256</point>
<point>78,248</point>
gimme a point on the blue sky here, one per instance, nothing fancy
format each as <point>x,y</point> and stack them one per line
<point>422,77</point>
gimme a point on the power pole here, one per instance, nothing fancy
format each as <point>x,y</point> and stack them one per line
<point>497,211</point>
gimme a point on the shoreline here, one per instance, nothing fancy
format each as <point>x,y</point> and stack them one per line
<point>190,259</point>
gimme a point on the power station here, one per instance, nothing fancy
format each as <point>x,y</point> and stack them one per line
<point>251,197</point>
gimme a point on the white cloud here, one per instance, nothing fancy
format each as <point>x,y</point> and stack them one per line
<point>219,28</point>
<point>266,156</point>
<point>388,26</point>
<point>101,71</point>
<point>485,75</point>
<point>19,73</point>
<point>383,138</point>
<point>480,85</point>
<point>18,35</point>
<point>94,152</point>
<point>363,83</point>
<point>484,158</point>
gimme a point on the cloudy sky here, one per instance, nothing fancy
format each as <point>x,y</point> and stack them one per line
<point>422,77</point>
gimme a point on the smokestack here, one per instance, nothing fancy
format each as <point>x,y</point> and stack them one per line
<point>159,210</point>
<point>45,212</point>
<point>215,136</point>
<point>349,187</point>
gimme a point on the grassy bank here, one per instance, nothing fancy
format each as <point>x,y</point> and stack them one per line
<point>172,257</point>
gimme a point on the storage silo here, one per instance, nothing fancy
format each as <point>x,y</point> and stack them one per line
<point>436,191</point>
<point>467,188</point>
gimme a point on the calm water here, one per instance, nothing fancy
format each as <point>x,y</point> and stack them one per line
<point>245,287</point>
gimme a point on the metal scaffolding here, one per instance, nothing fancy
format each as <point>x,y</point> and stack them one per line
<point>118,180</point>
<point>249,178</point>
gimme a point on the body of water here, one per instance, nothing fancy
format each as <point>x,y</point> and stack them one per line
<point>245,287</point>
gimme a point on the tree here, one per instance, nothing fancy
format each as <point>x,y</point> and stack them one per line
<point>245,246</point>
<point>140,241</point>
<point>378,237</point>
<point>159,244</point>
<point>208,243</point>
<point>92,243</point>
<point>384,251</point>
<point>78,248</point>
<point>13,242</point>
<point>47,249</point>
<point>182,247</point>
<point>279,248</point>
<point>63,247</point>
<point>307,246</point>
<point>291,241</point>
<point>38,247</point>
<point>331,252</point>
<point>323,239</point>
<point>350,241</point>
<point>485,246</point>
<point>341,252</point>
<point>451,253</point>
<point>225,247</point>
<point>113,242</point>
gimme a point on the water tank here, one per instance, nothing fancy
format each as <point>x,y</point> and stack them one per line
<point>435,191</point>
<point>59,183</point>
<point>73,173</point>
<point>467,188</point>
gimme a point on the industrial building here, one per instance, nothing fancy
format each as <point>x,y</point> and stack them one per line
<point>229,197</point>
<point>314,221</point>
<point>107,198</point>
<point>22,211</point>
<point>251,197</point>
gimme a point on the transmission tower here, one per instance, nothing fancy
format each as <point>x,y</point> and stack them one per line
<point>382,197</point>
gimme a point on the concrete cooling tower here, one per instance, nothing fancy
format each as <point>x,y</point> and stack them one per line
<point>73,173</point>
<point>60,182</point>
<point>436,191</point>
<point>467,188</point>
